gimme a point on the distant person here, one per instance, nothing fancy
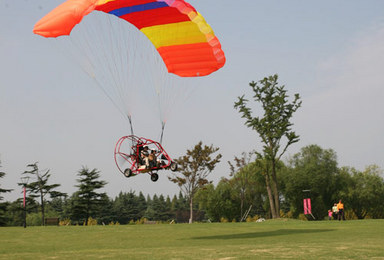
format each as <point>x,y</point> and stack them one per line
<point>340,208</point>
<point>330,214</point>
<point>335,212</point>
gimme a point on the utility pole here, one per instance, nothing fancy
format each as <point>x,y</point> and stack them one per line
<point>24,181</point>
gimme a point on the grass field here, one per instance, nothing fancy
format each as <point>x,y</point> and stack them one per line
<point>294,239</point>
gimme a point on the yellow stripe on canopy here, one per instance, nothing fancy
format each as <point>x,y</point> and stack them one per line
<point>177,33</point>
<point>101,2</point>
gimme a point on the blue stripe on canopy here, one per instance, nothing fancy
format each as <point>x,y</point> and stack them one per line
<point>138,8</point>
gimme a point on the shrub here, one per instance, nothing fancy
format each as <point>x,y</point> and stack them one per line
<point>223,220</point>
<point>65,222</point>
<point>34,219</point>
<point>302,217</point>
<point>92,221</point>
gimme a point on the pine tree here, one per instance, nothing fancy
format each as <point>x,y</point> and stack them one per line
<point>86,200</point>
<point>39,187</point>
<point>3,205</point>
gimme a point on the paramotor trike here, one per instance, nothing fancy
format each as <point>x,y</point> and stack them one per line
<point>134,155</point>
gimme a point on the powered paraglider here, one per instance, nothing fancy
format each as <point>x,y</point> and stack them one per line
<point>108,36</point>
<point>134,155</point>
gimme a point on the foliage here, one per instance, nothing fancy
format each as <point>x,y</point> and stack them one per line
<point>274,127</point>
<point>91,222</point>
<point>39,187</point>
<point>86,201</point>
<point>3,205</point>
<point>194,169</point>
<point>246,183</point>
<point>65,222</point>
<point>364,192</point>
<point>128,206</point>
<point>314,169</point>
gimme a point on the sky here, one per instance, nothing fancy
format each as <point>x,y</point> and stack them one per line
<point>330,52</point>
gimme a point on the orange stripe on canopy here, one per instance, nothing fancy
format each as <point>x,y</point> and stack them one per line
<point>181,35</point>
<point>62,19</point>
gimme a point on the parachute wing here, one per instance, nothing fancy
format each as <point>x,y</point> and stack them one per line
<point>186,43</point>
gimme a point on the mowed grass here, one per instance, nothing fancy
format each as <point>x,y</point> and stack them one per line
<point>294,239</point>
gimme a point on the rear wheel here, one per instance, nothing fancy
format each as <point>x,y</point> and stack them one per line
<point>173,166</point>
<point>154,177</point>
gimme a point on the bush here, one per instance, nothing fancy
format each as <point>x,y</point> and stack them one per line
<point>223,220</point>
<point>302,217</point>
<point>34,219</point>
<point>349,215</point>
<point>65,222</point>
<point>141,221</point>
<point>92,221</point>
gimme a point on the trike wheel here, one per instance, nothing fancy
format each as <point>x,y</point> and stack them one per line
<point>154,177</point>
<point>173,166</point>
<point>128,173</point>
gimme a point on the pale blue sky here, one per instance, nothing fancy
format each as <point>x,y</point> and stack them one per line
<point>330,52</point>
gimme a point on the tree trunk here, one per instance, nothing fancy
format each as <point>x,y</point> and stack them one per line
<point>190,210</point>
<point>42,209</point>
<point>275,190</point>
<point>270,196</point>
<point>241,205</point>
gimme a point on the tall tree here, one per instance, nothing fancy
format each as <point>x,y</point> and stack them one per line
<point>274,128</point>
<point>180,208</point>
<point>3,205</point>
<point>195,167</point>
<point>247,183</point>
<point>129,207</point>
<point>244,179</point>
<point>364,192</point>
<point>314,169</point>
<point>87,199</point>
<point>39,187</point>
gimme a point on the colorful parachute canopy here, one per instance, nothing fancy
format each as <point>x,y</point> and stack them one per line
<point>186,43</point>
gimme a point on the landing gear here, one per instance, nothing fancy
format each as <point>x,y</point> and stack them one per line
<point>173,166</point>
<point>154,177</point>
<point>128,173</point>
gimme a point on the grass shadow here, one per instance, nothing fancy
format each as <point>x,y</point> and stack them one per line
<point>279,232</point>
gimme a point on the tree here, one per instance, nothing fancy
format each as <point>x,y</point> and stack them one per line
<point>128,206</point>
<point>314,169</point>
<point>241,178</point>
<point>180,208</point>
<point>39,188</point>
<point>86,199</point>
<point>247,183</point>
<point>274,127</point>
<point>3,205</point>
<point>195,167</point>
<point>364,192</point>
<point>157,209</point>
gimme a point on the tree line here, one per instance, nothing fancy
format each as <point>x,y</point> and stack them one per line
<point>260,183</point>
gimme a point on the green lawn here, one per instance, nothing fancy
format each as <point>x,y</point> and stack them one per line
<point>294,239</point>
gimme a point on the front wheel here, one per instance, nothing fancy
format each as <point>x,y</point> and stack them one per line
<point>173,166</point>
<point>128,173</point>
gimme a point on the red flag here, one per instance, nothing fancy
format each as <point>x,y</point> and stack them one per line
<point>307,206</point>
